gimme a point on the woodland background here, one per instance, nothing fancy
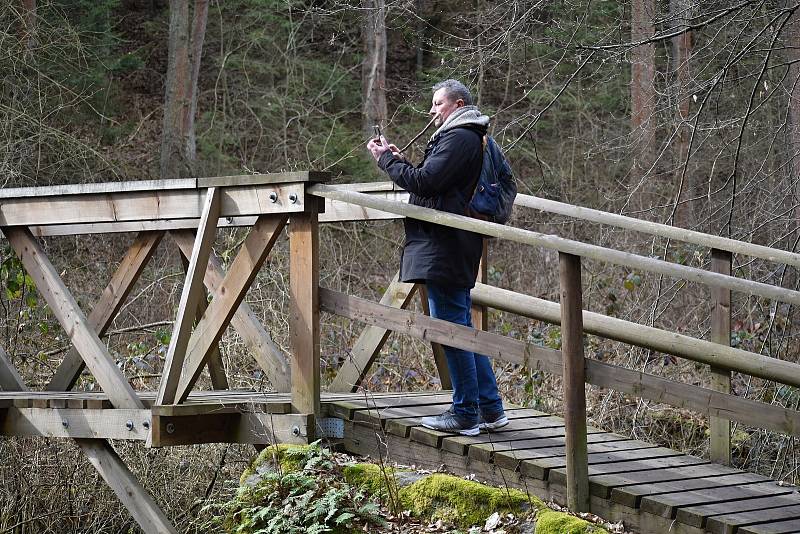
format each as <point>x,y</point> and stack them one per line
<point>678,111</point>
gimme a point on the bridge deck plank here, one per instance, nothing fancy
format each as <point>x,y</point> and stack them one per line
<point>792,526</point>
<point>716,516</point>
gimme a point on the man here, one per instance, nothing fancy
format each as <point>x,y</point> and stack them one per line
<point>446,259</point>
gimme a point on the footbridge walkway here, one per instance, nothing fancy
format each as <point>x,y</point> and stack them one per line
<point>650,488</point>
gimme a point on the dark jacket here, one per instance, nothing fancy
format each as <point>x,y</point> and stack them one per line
<point>445,180</point>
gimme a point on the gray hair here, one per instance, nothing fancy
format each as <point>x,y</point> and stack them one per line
<point>453,90</point>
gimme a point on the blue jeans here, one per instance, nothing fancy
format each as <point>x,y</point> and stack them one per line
<point>474,383</point>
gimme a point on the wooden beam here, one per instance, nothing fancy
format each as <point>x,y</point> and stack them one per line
<point>133,496</point>
<point>697,350</point>
<point>560,244</point>
<point>103,457</point>
<point>369,343</point>
<point>480,314</point>
<point>216,368</point>
<point>701,400</point>
<point>267,354</point>
<point>658,229</point>
<point>304,312</point>
<point>574,383</point>
<point>77,423</point>
<point>719,449</point>
<point>147,186</point>
<point>439,357</point>
<point>232,427</point>
<point>72,319</point>
<point>10,379</point>
<point>111,300</point>
<point>192,289</point>
<point>231,292</point>
<point>150,205</point>
<point>259,179</point>
<point>335,211</point>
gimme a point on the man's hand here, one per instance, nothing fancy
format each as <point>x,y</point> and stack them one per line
<point>377,147</point>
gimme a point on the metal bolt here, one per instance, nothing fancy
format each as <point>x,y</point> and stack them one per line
<point>170,428</point>
<point>296,431</point>
<point>146,424</point>
<point>273,197</point>
<point>293,198</point>
<point>129,424</point>
<point>65,424</point>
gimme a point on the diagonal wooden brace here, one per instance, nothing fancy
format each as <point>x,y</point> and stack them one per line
<point>134,497</point>
<point>190,296</point>
<point>215,320</point>
<point>369,343</point>
<point>110,302</point>
<point>72,319</point>
<point>102,456</point>
<point>216,369</point>
<point>10,379</point>
<point>439,356</point>
<point>266,353</point>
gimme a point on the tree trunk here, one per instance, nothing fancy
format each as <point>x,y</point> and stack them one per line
<point>28,39</point>
<point>643,97</point>
<point>420,38</point>
<point>178,152</point>
<point>685,184</point>
<point>374,66</point>
<point>198,37</point>
<point>176,105</point>
<point>792,32</point>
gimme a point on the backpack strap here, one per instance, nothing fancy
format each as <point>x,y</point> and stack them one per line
<point>467,211</point>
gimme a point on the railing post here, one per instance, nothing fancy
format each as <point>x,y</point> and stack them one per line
<point>574,383</point>
<point>719,428</point>
<point>480,314</point>
<point>304,326</point>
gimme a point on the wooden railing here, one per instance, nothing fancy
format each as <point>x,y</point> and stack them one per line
<point>717,403</point>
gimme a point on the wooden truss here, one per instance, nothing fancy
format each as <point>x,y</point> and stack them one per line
<point>191,211</point>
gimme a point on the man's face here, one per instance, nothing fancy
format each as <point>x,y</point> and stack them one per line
<point>443,107</point>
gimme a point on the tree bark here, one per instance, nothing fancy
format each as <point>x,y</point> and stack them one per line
<point>792,33</point>
<point>685,184</point>
<point>178,148</point>
<point>643,97</point>
<point>28,39</point>
<point>176,104</point>
<point>374,66</point>
<point>199,21</point>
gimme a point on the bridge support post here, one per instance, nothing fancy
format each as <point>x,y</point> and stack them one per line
<point>304,311</point>
<point>574,383</point>
<point>719,449</point>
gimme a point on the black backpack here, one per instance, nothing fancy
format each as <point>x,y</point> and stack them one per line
<point>495,190</point>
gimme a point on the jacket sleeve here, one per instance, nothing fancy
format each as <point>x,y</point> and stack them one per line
<point>444,168</point>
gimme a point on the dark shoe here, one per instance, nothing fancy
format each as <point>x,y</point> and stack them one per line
<point>451,422</point>
<point>493,421</point>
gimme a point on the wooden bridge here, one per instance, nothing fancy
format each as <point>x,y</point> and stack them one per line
<point>650,488</point>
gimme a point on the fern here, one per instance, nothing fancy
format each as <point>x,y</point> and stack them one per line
<point>312,499</point>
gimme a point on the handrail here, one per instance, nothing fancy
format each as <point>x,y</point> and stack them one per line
<point>694,349</point>
<point>628,223</point>
<point>559,243</point>
<point>660,230</point>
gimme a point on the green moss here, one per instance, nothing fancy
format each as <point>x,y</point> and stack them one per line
<point>461,502</point>
<point>552,522</point>
<point>370,478</point>
<point>276,456</point>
